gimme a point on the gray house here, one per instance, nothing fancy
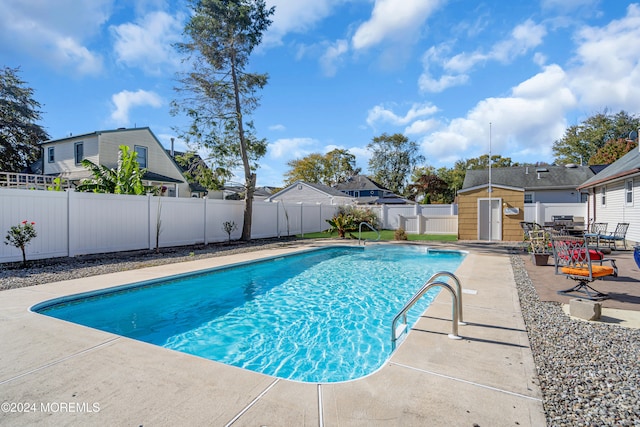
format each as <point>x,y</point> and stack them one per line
<point>544,184</point>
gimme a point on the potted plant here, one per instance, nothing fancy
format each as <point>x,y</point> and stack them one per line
<point>539,247</point>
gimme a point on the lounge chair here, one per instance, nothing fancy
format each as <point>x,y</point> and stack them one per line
<point>620,234</point>
<point>575,260</point>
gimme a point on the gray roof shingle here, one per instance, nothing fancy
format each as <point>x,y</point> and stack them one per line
<point>530,178</point>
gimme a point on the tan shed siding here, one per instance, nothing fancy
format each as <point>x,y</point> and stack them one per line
<point>468,213</point>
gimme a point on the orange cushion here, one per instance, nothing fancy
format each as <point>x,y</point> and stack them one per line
<point>596,270</point>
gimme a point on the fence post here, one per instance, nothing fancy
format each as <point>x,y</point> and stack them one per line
<point>204,221</point>
<point>69,191</point>
<point>149,217</point>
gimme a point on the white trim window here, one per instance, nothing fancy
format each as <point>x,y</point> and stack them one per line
<point>603,196</point>
<point>51,155</point>
<point>628,192</point>
<point>78,152</point>
<point>142,155</point>
<point>528,197</point>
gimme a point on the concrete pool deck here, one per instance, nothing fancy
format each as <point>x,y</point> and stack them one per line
<point>54,372</point>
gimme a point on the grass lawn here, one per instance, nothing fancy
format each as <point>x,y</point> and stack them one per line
<point>386,235</point>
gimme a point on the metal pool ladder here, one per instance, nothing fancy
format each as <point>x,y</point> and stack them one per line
<point>456,306</point>
<point>364,242</point>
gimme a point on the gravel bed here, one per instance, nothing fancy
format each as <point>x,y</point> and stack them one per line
<point>589,372</point>
<point>57,269</point>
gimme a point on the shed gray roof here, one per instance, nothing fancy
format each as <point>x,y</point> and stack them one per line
<point>627,165</point>
<point>529,178</point>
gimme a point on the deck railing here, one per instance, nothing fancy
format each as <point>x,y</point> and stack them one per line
<point>32,182</point>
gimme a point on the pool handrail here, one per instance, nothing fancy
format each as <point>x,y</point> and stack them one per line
<point>456,296</point>
<point>360,232</point>
<point>458,291</point>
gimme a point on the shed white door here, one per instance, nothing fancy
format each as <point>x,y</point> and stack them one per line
<point>489,220</point>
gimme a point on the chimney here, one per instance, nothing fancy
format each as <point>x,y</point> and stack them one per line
<point>172,152</point>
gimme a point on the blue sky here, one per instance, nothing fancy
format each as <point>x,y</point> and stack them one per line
<point>446,73</point>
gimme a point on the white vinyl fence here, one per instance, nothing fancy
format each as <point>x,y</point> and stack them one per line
<point>70,223</point>
<point>419,219</point>
<point>544,212</point>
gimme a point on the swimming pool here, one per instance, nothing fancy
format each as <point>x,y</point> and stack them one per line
<point>321,315</point>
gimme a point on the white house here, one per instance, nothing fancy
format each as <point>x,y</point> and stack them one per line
<point>63,157</point>
<point>614,195</point>
<point>305,192</point>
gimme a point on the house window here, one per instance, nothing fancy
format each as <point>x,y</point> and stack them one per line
<point>51,155</point>
<point>603,196</point>
<point>78,152</point>
<point>628,192</point>
<point>142,155</point>
<point>528,198</point>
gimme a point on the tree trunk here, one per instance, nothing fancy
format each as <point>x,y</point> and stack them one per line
<point>249,178</point>
<point>248,207</point>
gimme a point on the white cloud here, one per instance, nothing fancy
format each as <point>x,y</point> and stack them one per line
<point>392,19</point>
<point>296,17</point>
<point>277,127</point>
<point>421,127</point>
<point>523,38</point>
<point>426,83</point>
<point>124,101</point>
<point>290,148</point>
<point>333,57</point>
<point>55,32</point>
<point>148,42</point>
<point>380,114</point>
<point>606,70</point>
<point>524,124</point>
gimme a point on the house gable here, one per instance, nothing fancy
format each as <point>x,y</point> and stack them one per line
<point>301,191</point>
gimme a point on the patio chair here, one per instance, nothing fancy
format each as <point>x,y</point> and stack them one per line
<point>620,234</point>
<point>574,260</point>
<point>596,230</point>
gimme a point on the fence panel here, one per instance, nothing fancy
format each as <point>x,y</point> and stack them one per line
<point>544,212</point>
<point>440,224</point>
<point>263,224</point>
<point>100,223</point>
<point>48,211</point>
<point>220,211</point>
<point>181,221</point>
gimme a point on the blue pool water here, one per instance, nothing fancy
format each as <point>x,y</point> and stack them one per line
<point>317,316</point>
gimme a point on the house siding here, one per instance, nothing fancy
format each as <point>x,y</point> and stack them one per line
<point>616,210</point>
<point>468,213</point>
<point>65,156</point>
